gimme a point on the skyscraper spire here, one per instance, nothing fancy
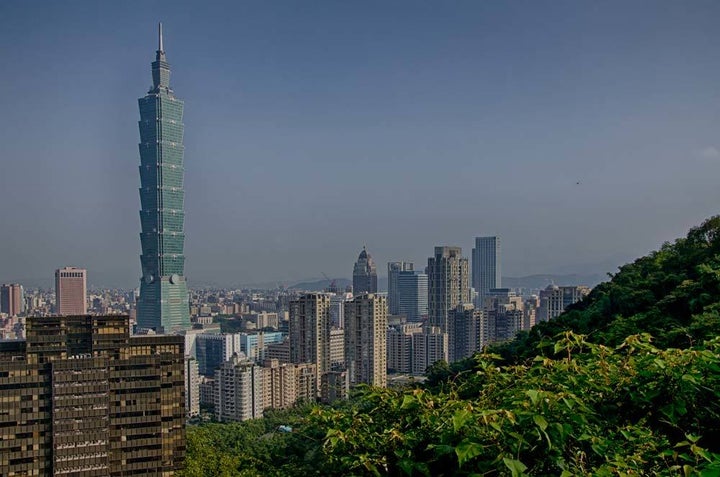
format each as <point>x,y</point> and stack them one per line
<point>160,67</point>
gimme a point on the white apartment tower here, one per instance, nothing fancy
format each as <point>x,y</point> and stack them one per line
<point>366,340</point>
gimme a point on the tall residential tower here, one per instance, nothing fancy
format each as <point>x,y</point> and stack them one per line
<point>163,303</point>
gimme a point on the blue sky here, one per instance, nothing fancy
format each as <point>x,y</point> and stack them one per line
<point>313,128</point>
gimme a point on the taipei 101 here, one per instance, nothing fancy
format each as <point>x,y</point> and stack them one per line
<point>360,238</point>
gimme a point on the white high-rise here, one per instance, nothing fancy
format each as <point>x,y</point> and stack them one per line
<point>486,269</point>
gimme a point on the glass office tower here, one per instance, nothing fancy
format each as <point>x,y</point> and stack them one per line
<point>163,303</point>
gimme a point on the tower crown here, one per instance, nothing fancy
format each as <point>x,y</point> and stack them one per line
<point>160,67</point>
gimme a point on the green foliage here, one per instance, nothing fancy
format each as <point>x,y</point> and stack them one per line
<point>673,294</point>
<point>631,410</point>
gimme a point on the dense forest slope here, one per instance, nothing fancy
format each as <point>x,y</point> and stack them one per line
<point>627,382</point>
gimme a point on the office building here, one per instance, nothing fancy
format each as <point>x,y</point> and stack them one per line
<point>412,295</point>
<point>448,284</point>
<point>486,269</point>
<point>554,300</point>
<point>394,269</point>
<point>213,349</point>
<point>12,299</point>
<point>310,331</point>
<point>254,345</point>
<point>70,291</point>
<point>91,400</point>
<point>163,303</point>
<point>364,274</point>
<point>366,340</point>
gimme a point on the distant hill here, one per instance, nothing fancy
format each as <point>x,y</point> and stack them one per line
<point>543,280</point>
<point>321,285</point>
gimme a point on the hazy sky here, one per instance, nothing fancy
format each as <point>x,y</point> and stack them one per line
<point>312,128</point>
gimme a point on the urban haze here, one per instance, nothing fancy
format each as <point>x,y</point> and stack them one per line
<point>583,134</point>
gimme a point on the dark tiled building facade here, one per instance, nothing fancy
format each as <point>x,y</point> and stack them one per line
<point>81,397</point>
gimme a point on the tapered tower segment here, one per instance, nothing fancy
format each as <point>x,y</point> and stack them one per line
<point>163,303</point>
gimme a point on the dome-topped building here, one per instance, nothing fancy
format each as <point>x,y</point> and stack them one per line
<point>364,274</point>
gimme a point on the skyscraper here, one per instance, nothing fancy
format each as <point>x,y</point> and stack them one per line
<point>163,303</point>
<point>366,339</point>
<point>364,274</point>
<point>394,269</point>
<point>70,291</point>
<point>448,284</point>
<point>486,270</point>
<point>412,295</point>
<point>12,299</point>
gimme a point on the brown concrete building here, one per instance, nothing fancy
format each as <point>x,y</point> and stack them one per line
<point>81,397</point>
<point>11,299</point>
<point>70,291</point>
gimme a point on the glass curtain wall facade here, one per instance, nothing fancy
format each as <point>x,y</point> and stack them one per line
<point>163,303</point>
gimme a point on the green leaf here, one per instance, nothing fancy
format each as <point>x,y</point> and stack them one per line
<point>540,421</point>
<point>408,401</point>
<point>460,418</point>
<point>534,395</point>
<point>516,467</point>
<point>466,450</point>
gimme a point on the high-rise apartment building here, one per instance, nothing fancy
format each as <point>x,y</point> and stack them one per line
<point>400,347</point>
<point>310,331</point>
<point>464,332</point>
<point>192,387</point>
<point>394,270</point>
<point>364,274</point>
<point>554,300</point>
<point>12,299</point>
<point>486,269</point>
<point>163,303</point>
<point>503,316</point>
<point>70,291</point>
<point>286,384</point>
<point>429,347</point>
<point>82,397</point>
<point>239,390</point>
<point>448,284</point>
<point>366,340</point>
<point>412,295</point>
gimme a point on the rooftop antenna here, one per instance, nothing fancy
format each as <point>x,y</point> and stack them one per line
<point>160,41</point>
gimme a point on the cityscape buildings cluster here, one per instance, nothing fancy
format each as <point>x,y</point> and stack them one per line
<point>102,382</point>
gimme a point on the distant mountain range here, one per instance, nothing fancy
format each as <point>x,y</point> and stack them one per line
<point>532,281</point>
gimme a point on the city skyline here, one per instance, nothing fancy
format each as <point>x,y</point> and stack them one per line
<point>605,142</point>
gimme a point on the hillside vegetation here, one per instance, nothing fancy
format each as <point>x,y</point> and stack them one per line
<point>627,382</point>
